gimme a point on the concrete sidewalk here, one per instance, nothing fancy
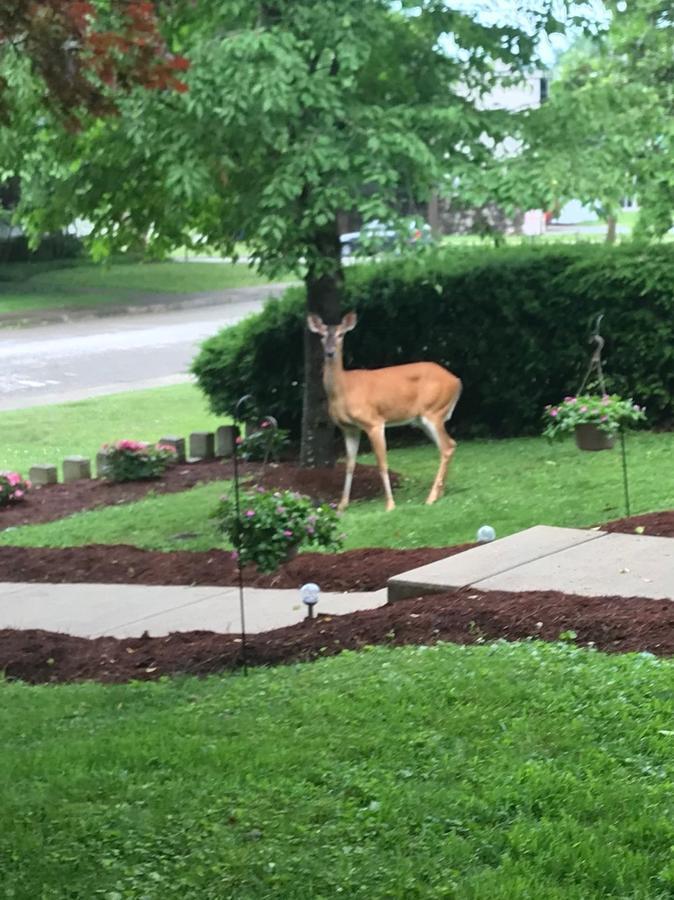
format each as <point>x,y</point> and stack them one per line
<point>544,558</point>
<point>119,610</point>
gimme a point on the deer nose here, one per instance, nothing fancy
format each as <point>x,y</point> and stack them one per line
<point>329,354</point>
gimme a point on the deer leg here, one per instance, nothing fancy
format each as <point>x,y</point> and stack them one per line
<point>435,429</point>
<point>377,438</point>
<point>351,442</point>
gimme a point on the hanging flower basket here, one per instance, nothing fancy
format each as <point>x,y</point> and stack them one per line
<point>594,419</point>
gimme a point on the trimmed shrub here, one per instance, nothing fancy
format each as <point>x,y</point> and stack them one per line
<point>51,247</point>
<point>513,324</point>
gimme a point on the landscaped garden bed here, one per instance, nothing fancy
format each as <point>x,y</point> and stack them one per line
<point>56,501</point>
<point>467,616</point>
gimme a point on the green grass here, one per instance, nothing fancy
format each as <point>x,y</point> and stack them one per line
<point>30,286</point>
<point>45,434</point>
<point>510,485</point>
<point>502,772</point>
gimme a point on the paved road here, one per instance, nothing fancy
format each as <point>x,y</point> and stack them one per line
<point>73,360</point>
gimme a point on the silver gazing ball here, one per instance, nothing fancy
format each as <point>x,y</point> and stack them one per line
<point>485,534</point>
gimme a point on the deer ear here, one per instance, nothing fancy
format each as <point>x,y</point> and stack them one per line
<point>349,322</point>
<point>316,324</point>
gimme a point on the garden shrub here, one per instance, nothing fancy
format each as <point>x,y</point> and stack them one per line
<point>274,525</point>
<point>513,323</point>
<point>135,460</point>
<point>12,487</point>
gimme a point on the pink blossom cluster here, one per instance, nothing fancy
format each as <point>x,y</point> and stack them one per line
<point>15,487</point>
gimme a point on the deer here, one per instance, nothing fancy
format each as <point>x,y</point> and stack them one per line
<point>368,400</point>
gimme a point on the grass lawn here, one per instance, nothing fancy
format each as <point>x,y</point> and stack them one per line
<point>499,772</point>
<point>30,286</point>
<point>45,434</point>
<point>510,485</point>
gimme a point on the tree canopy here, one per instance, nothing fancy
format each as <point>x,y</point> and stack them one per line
<point>607,130</point>
<point>295,112</point>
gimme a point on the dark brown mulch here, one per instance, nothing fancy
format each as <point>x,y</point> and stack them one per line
<point>463,617</point>
<point>55,501</point>
<point>354,570</point>
<point>654,524</point>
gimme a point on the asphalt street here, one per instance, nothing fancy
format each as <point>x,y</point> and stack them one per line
<point>68,361</point>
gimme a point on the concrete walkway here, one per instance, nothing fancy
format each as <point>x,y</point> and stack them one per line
<point>590,563</point>
<point>573,561</point>
<point>92,610</point>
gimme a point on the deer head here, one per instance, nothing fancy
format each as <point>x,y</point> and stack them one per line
<point>332,336</point>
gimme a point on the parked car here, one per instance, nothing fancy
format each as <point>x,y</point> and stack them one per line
<point>377,237</point>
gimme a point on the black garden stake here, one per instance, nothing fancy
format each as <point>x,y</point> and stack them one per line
<point>273,426</point>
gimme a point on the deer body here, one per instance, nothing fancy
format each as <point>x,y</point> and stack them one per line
<point>369,400</point>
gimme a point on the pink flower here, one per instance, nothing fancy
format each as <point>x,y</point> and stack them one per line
<point>606,400</point>
<point>583,409</point>
<point>239,441</point>
<point>18,494</point>
<point>287,534</point>
<point>569,399</point>
<point>310,530</point>
<point>280,509</point>
<point>250,513</point>
<point>235,555</point>
<point>554,412</point>
<point>133,446</point>
<point>604,419</point>
<point>264,424</point>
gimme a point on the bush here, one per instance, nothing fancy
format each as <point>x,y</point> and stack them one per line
<point>275,525</point>
<point>12,487</point>
<point>512,323</point>
<point>264,444</point>
<point>136,461</point>
<point>51,247</point>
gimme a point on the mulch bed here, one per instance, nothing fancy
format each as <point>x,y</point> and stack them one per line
<point>354,570</point>
<point>655,524</point>
<point>55,501</point>
<point>463,617</point>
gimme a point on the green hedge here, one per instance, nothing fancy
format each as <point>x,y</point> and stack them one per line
<point>512,323</point>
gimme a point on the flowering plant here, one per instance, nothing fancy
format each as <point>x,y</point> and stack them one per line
<point>12,487</point>
<point>264,443</point>
<point>275,525</point>
<point>608,412</point>
<point>136,460</point>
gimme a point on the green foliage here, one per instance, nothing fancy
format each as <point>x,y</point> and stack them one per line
<point>264,444</point>
<point>499,772</point>
<point>51,247</point>
<point>273,526</point>
<point>136,460</point>
<point>512,323</point>
<point>608,412</point>
<point>606,131</point>
<point>295,112</point>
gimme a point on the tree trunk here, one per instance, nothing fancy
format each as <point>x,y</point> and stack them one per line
<point>611,229</point>
<point>323,298</point>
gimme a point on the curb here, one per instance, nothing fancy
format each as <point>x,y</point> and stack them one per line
<point>138,307</point>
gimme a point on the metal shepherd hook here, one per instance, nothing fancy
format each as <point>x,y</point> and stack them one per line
<point>237,503</point>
